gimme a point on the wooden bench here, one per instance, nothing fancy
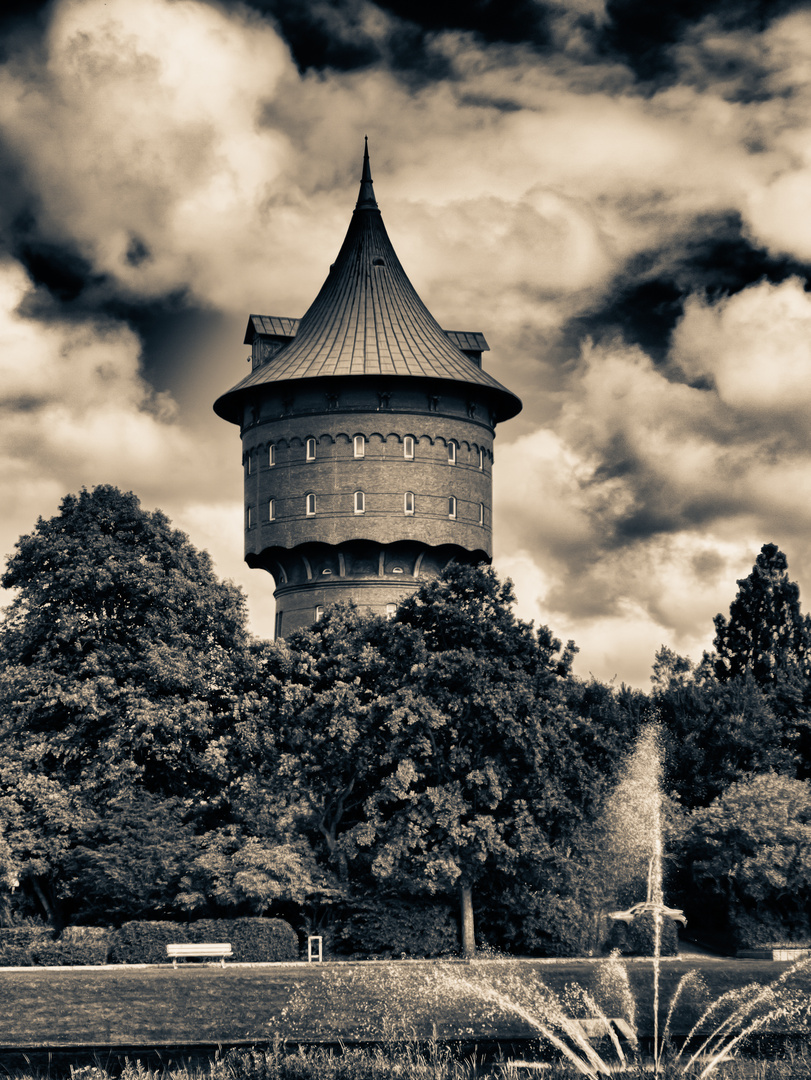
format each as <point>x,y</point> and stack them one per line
<point>206,948</point>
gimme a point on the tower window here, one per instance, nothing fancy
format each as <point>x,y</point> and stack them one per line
<point>249,517</point>
<point>360,502</point>
<point>271,455</point>
<point>319,611</point>
<point>278,630</point>
<point>360,446</point>
<point>408,448</point>
<point>249,464</point>
<point>391,611</point>
<point>271,510</point>
<point>481,513</point>
<point>481,457</point>
<point>310,505</point>
<point>452,506</point>
<point>310,450</point>
<point>451,453</point>
<point>408,502</point>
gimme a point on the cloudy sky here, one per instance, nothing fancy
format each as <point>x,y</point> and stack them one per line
<point>618,195</point>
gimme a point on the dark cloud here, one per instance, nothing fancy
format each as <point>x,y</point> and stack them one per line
<point>59,270</point>
<point>646,299</point>
<point>643,33</point>
<point>20,21</point>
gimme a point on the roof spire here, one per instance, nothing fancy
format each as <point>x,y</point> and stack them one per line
<point>366,195</point>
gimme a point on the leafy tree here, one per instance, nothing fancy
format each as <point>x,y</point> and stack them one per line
<point>748,860</point>
<point>119,654</point>
<point>466,782</point>
<point>716,732</point>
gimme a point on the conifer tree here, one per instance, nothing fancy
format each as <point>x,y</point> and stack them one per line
<point>766,634</point>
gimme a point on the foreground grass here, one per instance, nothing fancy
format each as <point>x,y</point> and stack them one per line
<point>199,1005</point>
<point>395,1062</point>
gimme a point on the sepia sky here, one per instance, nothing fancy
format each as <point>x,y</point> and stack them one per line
<point>618,196</point>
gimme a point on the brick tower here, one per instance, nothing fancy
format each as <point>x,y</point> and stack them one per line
<point>367,437</point>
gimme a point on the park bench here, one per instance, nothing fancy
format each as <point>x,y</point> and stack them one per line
<point>205,948</point>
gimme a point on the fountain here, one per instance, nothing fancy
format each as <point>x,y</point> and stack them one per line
<point>634,821</point>
<point>594,1031</point>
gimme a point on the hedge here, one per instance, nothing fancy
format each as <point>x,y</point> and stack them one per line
<point>395,928</point>
<point>77,945</point>
<point>20,946</point>
<point>145,942</point>
<point>251,940</point>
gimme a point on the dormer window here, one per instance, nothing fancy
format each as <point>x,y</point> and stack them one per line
<point>360,502</point>
<point>408,448</point>
<point>360,446</point>
<point>451,453</point>
<point>310,450</point>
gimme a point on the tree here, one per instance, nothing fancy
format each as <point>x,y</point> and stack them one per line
<point>119,654</point>
<point>766,634</point>
<point>466,784</point>
<point>716,732</point>
<point>748,860</point>
<point>768,638</point>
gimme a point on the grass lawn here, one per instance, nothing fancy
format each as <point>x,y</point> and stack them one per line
<point>207,1004</point>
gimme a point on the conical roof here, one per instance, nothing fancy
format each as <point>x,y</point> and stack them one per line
<point>368,320</point>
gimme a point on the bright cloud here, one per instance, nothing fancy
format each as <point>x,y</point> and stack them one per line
<point>177,147</point>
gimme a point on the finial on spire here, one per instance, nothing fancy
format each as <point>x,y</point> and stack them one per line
<point>366,196</point>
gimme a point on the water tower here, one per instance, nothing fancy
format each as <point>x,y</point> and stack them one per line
<point>367,437</point>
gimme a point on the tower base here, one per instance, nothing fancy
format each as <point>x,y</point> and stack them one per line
<point>374,577</point>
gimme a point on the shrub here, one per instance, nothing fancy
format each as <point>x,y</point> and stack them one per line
<point>145,942</point>
<point>20,946</point>
<point>77,945</point>
<point>393,927</point>
<point>638,936</point>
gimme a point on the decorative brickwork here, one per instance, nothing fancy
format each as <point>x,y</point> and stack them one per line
<point>367,436</point>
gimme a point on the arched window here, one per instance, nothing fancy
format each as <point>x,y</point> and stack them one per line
<point>310,505</point>
<point>481,457</point>
<point>249,463</point>
<point>272,510</point>
<point>451,453</point>
<point>319,611</point>
<point>360,446</point>
<point>451,506</point>
<point>481,513</point>
<point>360,502</point>
<point>271,455</point>
<point>408,502</point>
<point>310,450</point>
<point>408,448</point>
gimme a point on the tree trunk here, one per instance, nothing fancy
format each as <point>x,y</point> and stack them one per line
<point>46,904</point>
<point>468,938</point>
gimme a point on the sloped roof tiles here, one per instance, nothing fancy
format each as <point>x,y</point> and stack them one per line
<point>368,320</point>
